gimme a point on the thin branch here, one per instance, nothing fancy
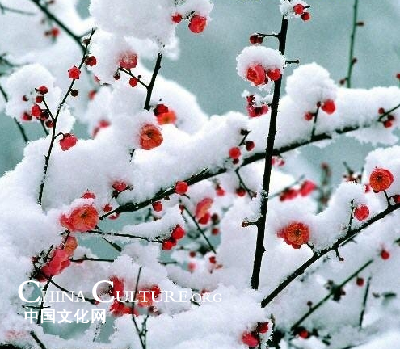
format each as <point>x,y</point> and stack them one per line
<point>352,44</point>
<point>56,20</point>
<point>330,294</point>
<point>4,9</point>
<point>210,173</point>
<point>20,127</point>
<point>150,88</point>
<point>364,304</point>
<point>139,332</point>
<point>201,231</point>
<point>317,255</point>
<point>55,120</point>
<point>37,340</point>
<point>259,251</point>
<point>138,78</point>
<point>122,235</point>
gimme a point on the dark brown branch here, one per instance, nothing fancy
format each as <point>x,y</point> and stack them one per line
<point>37,340</point>
<point>150,88</point>
<point>317,255</point>
<point>330,294</point>
<point>201,231</point>
<point>56,20</point>
<point>20,127</point>
<point>259,251</point>
<point>364,304</point>
<point>4,9</point>
<point>210,173</point>
<point>55,120</point>
<point>352,44</point>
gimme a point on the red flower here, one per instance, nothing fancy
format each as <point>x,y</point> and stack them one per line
<point>329,106</point>
<point>202,207</point>
<point>167,118</point>
<point>133,82</point>
<point>176,18</point>
<point>250,339</point>
<point>307,188</point>
<point>250,145</point>
<point>74,72</point>
<point>262,327</point>
<point>157,206</point>
<point>178,233</point>
<point>91,60</point>
<point>361,213</point>
<point>234,153</point>
<point>36,111</point>
<point>102,124</point>
<point>88,195</point>
<point>305,16</point>
<point>70,245</point>
<point>58,262</point>
<point>81,219</point>
<point>274,74</point>
<point>145,296</point>
<point>42,90</point>
<point>119,186</point>
<point>256,74</point>
<point>168,244</point>
<point>380,179</point>
<point>197,24</point>
<point>256,111</point>
<point>181,188</point>
<point>298,9</point>
<point>128,60</point>
<point>68,141</point>
<point>150,137</point>
<point>295,234</point>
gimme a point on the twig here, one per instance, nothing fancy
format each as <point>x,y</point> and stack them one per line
<point>352,44</point>
<point>129,236</point>
<point>4,9</point>
<point>20,127</point>
<point>259,251</point>
<point>150,88</point>
<point>55,120</point>
<point>365,299</point>
<point>330,294</point>
<point>55,19</point>
<point>139,332</point>
<point>37,340</point>
<point>317,255</point>
<point>201,231</point>
<point>210,173</point>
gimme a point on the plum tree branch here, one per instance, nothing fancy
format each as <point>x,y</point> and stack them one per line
<point>54,118</point>
<point>330,294</point>
<point>352,44</point>
<point>152,82</point>
<point>56,20</point>
<point>317,255</point>
<point>208,173</point>
<point>259,251</point>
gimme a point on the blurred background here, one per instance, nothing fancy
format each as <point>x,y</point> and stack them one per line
<point>207,64</point>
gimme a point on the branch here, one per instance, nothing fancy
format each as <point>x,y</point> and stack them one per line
<point>20,127</point>
<point>37,340</point>
<point>212,172</point>
<point>259,252</point>
<point>201,231</point>
<point>55,120</point>
<point>150,88</point>
<point>352,43</point>
<point>317,255</point>
<point>365,299</point>
<point>52,17</point>
<point>328,296</point>
<point>4,9</point>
